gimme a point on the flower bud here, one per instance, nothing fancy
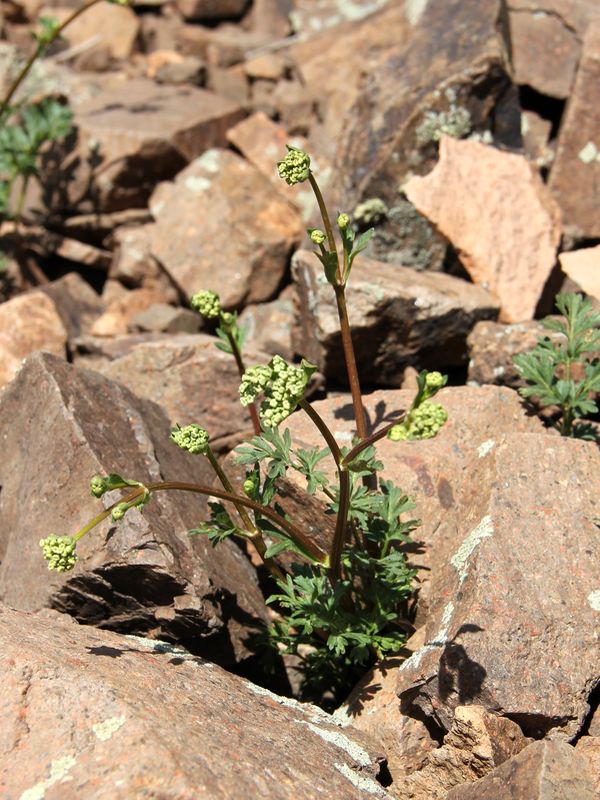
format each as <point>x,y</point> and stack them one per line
<point>317,236</point>
<point>295,167</point>
<point>342,221</point>
<point>59,552</point>
<point>192,438</point>
<point>206,303</point>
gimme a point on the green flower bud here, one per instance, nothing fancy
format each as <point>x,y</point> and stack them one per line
<point>434,380</point>
<point>342,221</point>
<point>253,383</point>
<point>98,485</point>
<point>423,423</point>
<point>295,167</point>
<point>192,438</point>
<point>119,511</point>
<point>206,303</point>
<point>317,236</point>
<point>59,552</point>
<point>228,321</point>
<point>250,486</point>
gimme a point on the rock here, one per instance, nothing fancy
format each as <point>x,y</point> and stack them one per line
<point>576,170</point>
<point>411,65</point>
<point>119,313</point>
<point>266,66</point>
<point>88,351</point>
<point>511,249</point>
<point>583,266</point>
<point>28,322</point>
<point>59,426</point>
<point>270,18</point>
<point>191,379</point>
<point>143,133</point>
<point>268,326</point>
<point>589,748</point>
<point>130,717</point>
<point>134,265</point>
<point>542,771</point>
<point>308,20</point>
<point>189,70</point>
<point>398,317</point>
<point>162,318</point>
<point>536,132</point>
<point>430,471</point>
<point>501,633</point>
<point>213,10</point>
<point>220,226</point>
<point>231,83</point>
<point>295,106</point>
<point>114,27</point>
<point>77,304</point>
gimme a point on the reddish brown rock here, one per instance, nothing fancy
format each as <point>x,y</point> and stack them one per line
<point>268,326</point>
<point>162,318</point>
<point>511,247</point>
<point>113,27</point>
<point>118,314</point>
<point>542,771</point>
<point>589,748</point>
<point>515,590</point>
<point>398,317</point>
<point>536,133</point>
<point>575,174</point>
<point>583,267</point>
<point>211,9</point>
<point>77,304</point>
<point>28,323</point>
<point>144,132</point>
<point>221,226</point>
<point>88,713</point>
<point>134,265</point>
<point>60,425</point>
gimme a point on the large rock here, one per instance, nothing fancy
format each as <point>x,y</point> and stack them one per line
<point>398,317</point>
<point>515,591</point>
<point>542,771</point>
<point>583,267</point>
<point>140,132</point>
<point>221,226</point>
<point>575,175</point>
<point>59,426</point>
<point>511,247</point>
<point>88,713</point>
<point>28,323</point>
<point>401,67</point>
<point>212,10</point>
<point>114,27</point>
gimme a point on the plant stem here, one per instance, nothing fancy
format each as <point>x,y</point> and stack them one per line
<point>359,412</point>
<point>241,369</point>
<point>326,221</point>
<point>323,430</point>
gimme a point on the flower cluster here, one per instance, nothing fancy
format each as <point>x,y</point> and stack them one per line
<point>59,552</point>
<point>295,167</point>
<point>192,438</point>
<point>206,303</point>
<point>282,386</point>
<point>422,423</point>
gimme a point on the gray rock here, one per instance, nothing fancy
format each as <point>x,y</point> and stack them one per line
<point>77,304</point>
<point>162,318</point>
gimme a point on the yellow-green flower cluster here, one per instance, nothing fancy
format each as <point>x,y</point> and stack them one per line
<point>435,380</point>
<point>282,386</point>
<point>192,438</point>
<point>98,485</point>
<point>423,423</point>
<point>295,167</point>
<point>317,236</point>
<point>59,552</point>
<point>206,303</point>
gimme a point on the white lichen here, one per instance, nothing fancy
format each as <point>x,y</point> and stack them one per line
<point>362,782</point>
<point>588,153</point>
<point>357,753</point>
<point>414,10</point>
<point>485,447</point>
<point>196,184</point>
<point>460,559</point>
<point>106,730</point>
<point>59,769</point>
<point>594,599</point>
<point>439,640</point>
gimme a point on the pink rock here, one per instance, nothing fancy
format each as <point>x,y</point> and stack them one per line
<point>112,26</point>
<point>120,312</point>
<point>583,266</point>
<point>495,211</point>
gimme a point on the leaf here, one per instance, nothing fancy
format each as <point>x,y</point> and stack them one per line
<point>307,463</point>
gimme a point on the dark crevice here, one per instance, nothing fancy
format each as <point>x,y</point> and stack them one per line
<point>537,726</point>
<point>594,704</point>
<point>549,108</point>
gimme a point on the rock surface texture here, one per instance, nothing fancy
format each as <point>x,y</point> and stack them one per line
<point>92,714</point>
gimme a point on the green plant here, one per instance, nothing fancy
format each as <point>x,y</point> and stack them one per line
<point>551,367</point>
<point>339,608</point>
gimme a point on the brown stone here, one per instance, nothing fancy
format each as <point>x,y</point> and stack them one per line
<point>28,323</point>
<point>536,133</point>
<point>542,771</point>
<point>398,317</point>
<point>309,19</point>
<point>515,590</point>
<point>144,132</point>
<point>266,66</point>
<point>60,425</point>
<point>211,9</point>
<point>77,304</point>
<point>162,318</point>
<point>270,18</point>
<point>88,713</point>
<point>119,313</point>
<point>511,248</point>
<point>191,379</point>
<point>295,106</point>
<point>268,326</point>
<point>589,748</point>
<point>134,265</point>
<point>583,266</point>
<point>112,26</point>
<point>220,226</point>
<point>575,174</point>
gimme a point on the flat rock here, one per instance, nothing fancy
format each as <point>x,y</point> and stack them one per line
<point>499,632</point>
<point>583,267</point>
<point>115,319</point>
<point>28,322</point>
<point>162,318</point>
<point>511,249</point>
<point>144,132</point>
<point>589,748</point>
<point>221,226</point>
<point>61,425</point>
<point>77,304</point>
<point>213,10</point>
<point>268,326</point>
<point>191,380</point>
<point>88,713</point>
<point>542,771</point>
<point>113,27</point>
<point>575,174</point>
<point>134,265</point>
<point>398,317</point>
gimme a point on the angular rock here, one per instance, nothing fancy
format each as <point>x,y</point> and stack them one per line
<point>134,265</point>
<point>575,174</point>
<point>542,771</point>
<point>60,425</point>
<point>583,267</point>
<point>536,133</point>
<point>89,713</point>
<point>191,379</point>
<point>220,226</point>
<point>268,326</point>
<point>589,748</point>
<point>398,317</point>
<point>161,318</point>
<point>515,590</point>
<point>270,18</point>
<point>308,19</point>
<point>28,323</point>
<point>77,304</point>
<point>143,133</point>
<point>398,67</point>
<point>113,27</point>
<point>119,312</point>
<point>511,248</point>
<point>213,10</point>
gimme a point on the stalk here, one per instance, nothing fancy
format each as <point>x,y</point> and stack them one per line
<point>241,369</point>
